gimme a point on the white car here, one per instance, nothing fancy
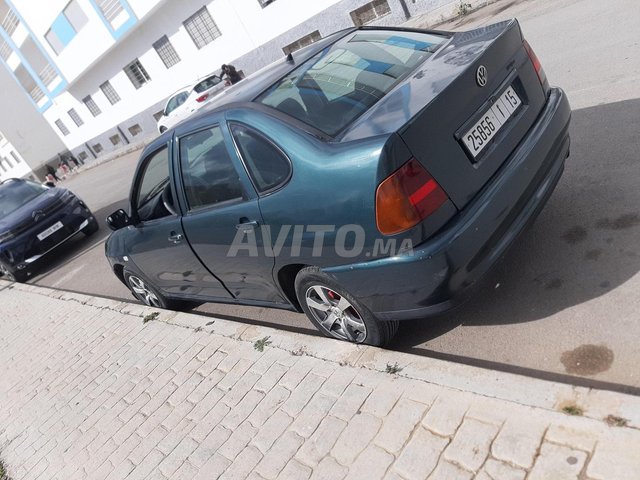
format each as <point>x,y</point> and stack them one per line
<point>188,100</point>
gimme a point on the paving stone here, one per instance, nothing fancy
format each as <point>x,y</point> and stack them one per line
<point>557,462</point>
<point>360,431</point>
<point>350,402</point>
<point>399,425</point>
<point>312,414</point>
<point>496,470</point>
<point>321,442</point>
<point>271,431</point>
<point>372,463</point>
<point>448,471</point>
<point>243,464</point>
<point>420,456</point>
<point>295,471</point>
<point>571,436</point>
<point>518,442</point>
<point>279,455</point>
<point>329,469</point>
<point>470,446</point>
<point>445,415</point>
<point>616,456</point>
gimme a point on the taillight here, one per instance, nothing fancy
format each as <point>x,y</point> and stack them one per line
<point>536,63</point>
<point>407,197</point>
<point>202,98</point>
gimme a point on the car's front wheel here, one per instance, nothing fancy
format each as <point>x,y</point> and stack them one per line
<point>144,291</point>
<point>7,273</point>
<point>338,314</point>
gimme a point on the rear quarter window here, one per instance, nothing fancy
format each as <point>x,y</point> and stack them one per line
<point>268,166</point>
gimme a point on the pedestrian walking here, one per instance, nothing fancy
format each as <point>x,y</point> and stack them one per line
<point>52,171</point>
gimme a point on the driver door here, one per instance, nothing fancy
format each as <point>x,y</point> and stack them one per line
<point>158,245</point>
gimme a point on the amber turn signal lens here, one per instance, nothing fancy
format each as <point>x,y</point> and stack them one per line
<point>407,197</point>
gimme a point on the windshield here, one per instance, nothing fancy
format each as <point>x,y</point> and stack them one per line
<point>332,89</point>
<point>16,193</point>
<point>207,83</point>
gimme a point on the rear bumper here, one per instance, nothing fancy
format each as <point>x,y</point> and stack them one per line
<point>439,273</point>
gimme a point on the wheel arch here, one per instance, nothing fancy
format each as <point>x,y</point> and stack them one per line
<point>286,280</point>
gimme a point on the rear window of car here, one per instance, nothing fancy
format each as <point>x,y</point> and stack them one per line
<point>336,86</point>
<point>207,83</point>
<point>16,193</point>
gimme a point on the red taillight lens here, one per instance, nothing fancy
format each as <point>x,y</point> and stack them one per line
<point>407,197</point>
<point>202,98</point>
<point>536,63</point>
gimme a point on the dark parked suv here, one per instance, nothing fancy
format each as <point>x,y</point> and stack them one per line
<point>35,219</point>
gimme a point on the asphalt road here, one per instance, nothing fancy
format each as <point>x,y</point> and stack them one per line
<point>564,301</point>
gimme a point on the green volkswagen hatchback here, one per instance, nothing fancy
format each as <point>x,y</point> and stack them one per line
<point>371,177</point>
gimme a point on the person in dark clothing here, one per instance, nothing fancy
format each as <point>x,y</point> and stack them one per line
<point>52,171</point>
<point>232,74</point>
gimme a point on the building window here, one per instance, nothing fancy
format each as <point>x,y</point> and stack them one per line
<point>91,106</point>
<point>10,22</point>
<point>5,159</point>
<point>62,127</point>
<point>110,92</point>
<point>264,3</point>
<point>97,148</point>
<point>75,117</point>
<point>82,156</point>
<point>370,12</point>
<point>135,130</point>
<point>65,26</point>
<point>137,74</point>
<point>36,94</point>
<point>302,42</point>
<point>15,157</point>
<point>166,52</point>
<point>201,27</point>
<point>158,115</point>
<point>110,9</point>
<point>5,49</point>
<point>115,139</point>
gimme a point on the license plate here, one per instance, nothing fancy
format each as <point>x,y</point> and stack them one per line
<point>480,135</point>
<point>52,229</point>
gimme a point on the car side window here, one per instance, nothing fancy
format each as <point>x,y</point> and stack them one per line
<point>208,173</point>
<point>153,184</point>
<point>268,166</point>
<point>176,101</point>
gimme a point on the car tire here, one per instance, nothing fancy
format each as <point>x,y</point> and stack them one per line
<point>337,313</point>
<point>92,228</point>
<point>10,275</point>
<point>163,129</point>
<point>137,284</point>
<point>146,293</point>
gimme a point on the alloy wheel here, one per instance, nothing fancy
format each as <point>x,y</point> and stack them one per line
<point>335,314</point>
<point>6,274</point>
<point>143,292</point>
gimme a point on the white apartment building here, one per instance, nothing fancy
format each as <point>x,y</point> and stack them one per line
<point>12,165</point>
<point>99,71</point>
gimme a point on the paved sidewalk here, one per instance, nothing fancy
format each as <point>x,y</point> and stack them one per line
<point>90,390</point>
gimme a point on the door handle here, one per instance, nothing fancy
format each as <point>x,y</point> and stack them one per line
<point>247,225</point>
<point>175,238</point>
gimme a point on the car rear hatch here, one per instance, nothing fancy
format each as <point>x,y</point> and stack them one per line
<point>480,95</point>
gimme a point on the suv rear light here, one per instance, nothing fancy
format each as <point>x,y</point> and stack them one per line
<point>407,197</point>
<point>202,98</point>
<point>536,63</point>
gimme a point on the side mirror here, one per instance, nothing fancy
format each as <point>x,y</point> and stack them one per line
<point>49,184</point>
<point>118,219</point>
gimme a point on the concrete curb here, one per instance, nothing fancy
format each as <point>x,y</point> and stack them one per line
<point>509,387</point>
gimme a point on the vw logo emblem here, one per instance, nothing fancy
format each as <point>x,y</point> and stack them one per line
<point>481,75</point>
<point>37,215</point>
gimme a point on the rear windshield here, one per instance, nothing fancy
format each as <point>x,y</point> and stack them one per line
<point>15,194</point>
<point>336,86</point>
<point>207,83</point>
